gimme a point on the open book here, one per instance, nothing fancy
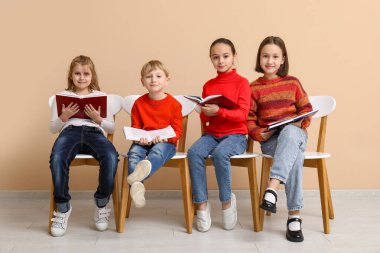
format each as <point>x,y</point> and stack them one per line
<point>219,100</point>
<point>135,134</point>
<point>94,101</point>
<point>287,121</point>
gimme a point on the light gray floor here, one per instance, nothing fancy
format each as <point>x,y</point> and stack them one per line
<point>159,227</point>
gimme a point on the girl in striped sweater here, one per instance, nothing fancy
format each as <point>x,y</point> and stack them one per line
<point>278,96</point>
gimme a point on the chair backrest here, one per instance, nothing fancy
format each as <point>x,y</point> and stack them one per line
<point>325,105</point>
<point>187,108</point>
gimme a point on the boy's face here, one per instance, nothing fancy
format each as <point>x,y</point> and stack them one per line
<point>155,81</point>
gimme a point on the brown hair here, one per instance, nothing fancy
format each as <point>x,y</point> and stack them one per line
<point>152,65</point>
<point>224,41</point>
<point>82,60</point>
<point>284,69</point>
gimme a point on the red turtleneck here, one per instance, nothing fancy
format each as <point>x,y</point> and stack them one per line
<point>236,88</point>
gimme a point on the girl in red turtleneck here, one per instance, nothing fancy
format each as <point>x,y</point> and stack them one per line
<point>224,135</point>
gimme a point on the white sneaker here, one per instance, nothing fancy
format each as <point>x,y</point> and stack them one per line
<point>102,217</point>
<point>204,219</point>
<point>59,225</point>
<point>230,214</point>
<point>142,170</point>
<point>138,194</point>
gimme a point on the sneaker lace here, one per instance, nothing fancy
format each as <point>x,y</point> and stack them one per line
<point>59,220</point>
<point>103,214</point>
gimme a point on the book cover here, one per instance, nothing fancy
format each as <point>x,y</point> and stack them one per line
<point>287,121</point>
<point>94,101</point>
<point>135,134</point>
<point>219,100</point>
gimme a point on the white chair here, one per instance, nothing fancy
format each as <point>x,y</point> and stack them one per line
<point>113,107</point>
<point>178,161</point>
<point>325,105</point>
<point>246,160</point>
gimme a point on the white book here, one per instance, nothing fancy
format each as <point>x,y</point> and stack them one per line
<point>135,134</point>
<point>287,121</point>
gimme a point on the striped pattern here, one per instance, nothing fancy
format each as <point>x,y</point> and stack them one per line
<point>273,100</point>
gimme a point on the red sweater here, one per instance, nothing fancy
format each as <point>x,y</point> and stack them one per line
<point>226,122</point>
<point>273,100</point>
<point>151,114</point>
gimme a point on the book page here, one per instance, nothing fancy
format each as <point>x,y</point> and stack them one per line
<point>287,121</point>
<point>135,134</point>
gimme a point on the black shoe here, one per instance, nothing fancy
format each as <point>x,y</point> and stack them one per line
<point>294,236</point>
<point>269,206</point>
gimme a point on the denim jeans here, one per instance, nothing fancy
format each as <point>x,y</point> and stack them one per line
<point>221,149</point>
<point>75,140</point>
<point>157,154</point>
<point>287,149</point>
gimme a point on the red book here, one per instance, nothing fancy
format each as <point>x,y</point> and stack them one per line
<point>94,101</point>
<point>219,100</point>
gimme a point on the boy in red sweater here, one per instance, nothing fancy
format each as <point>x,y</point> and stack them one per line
<point>153,110</point>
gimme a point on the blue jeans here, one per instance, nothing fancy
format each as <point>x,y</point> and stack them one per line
<point>221,149</point>
<point>75,140</point>
<point>157,154</point>
<point>287,149</point>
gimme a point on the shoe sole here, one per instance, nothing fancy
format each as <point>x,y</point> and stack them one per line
<point>293,239</point>
<point>268,209</point>
<point>137,194</point>
<point>142,170</point>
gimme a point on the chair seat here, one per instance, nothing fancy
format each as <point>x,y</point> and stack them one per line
<point>178,155</point>
<point>245,155</point>
<point>316,155</point>
<point>308,155</point>
<point>241,156</point>
<point>83,156</point>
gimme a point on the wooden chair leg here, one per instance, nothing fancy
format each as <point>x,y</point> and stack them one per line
<point>331,208</point>
<point>324,194</point>
<point>265,169</point>
<point>52,205</point>
<point>116,200</point>
<point>124,198</point>
<point>186,196</point>
<point>254,194</point>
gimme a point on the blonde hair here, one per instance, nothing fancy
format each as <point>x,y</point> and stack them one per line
<point>152,65</point>
<point>84,61</point>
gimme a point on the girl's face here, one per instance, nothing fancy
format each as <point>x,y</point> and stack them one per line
<point>271,59</point>
<point>222,57</point>
<point>81,77</point>
<point>155,81</point>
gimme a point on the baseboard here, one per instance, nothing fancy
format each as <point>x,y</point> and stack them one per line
<point>160,194</point>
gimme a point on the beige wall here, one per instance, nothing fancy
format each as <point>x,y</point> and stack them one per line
<point>333,48</point>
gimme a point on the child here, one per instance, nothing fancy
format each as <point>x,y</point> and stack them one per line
<point>277,96</point>
<point>81,136</point>
<point>224,136</point>
<point>154,110</point>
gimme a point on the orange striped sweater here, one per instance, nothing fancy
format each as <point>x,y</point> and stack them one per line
<point>273,100</point>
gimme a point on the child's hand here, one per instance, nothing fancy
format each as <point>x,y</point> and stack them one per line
<point>94,114</point>
<point>158,140</point>
<point>144,142</point>
<point>268,134</point>
<point>210,109</point>
<point>69,111</point>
